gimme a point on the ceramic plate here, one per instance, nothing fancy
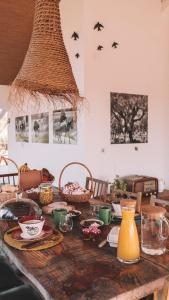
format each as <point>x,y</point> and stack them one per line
<point>75,213</point>
<point>18,236</point>
<point>89,222</point>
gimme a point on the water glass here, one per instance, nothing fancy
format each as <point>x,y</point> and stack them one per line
<point>66,223</point>
<point>94,210</point>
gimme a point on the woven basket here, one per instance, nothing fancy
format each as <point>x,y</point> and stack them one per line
<point>76,198</point>
<point>46,68</point>
<point>4,196</point>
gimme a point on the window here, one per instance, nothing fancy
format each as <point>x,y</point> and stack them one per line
<point>3,132</point>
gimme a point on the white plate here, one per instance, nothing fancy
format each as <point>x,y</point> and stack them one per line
<point>25,237</point>
<point>89,222</point>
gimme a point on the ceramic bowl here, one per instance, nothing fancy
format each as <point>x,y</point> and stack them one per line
<point>31,226</point>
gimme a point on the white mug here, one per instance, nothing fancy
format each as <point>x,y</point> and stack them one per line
<point>117,208</point>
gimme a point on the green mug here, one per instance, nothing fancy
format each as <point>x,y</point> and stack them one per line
<point>105,214</point>
<point>58,213</point>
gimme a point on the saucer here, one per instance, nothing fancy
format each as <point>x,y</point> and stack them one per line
<point>18,235</point>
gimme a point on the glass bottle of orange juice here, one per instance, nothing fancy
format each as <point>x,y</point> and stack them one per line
<point>128,250</point>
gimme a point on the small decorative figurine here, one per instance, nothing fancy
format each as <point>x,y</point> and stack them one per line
<point>115,44</point>
<point>98,26</point>
<point>75,36</point>
<point>99,48</point>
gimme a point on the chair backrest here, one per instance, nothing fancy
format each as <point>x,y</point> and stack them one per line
<point>9,178</point>
<point>165,289</point>
<point>100,187</point>
<point>160,202</point>
<point>125,194</point>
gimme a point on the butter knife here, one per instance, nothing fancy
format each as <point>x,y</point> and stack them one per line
<point>37,243</point>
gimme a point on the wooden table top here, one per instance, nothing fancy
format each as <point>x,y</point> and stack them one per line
<point>79,270</point>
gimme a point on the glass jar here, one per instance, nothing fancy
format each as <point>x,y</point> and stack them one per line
<point>128,250</point>
<point>46,194</point>
<point>154,230</point>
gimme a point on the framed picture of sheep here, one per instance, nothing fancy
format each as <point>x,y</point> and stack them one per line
<point>22,129</point>
<point>64,127</point>
<point>40,128</point>
<point>129,118</point>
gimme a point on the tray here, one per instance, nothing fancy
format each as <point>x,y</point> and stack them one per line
<point>21,245</point>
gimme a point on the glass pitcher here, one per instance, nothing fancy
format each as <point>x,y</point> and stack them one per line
<point>128,250</point>
<point>154,230</point>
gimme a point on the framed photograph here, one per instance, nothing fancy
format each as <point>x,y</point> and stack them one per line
<point>128,118</point>
<point>64,127</point>
<point>40,128</point>
<point>22,129</point>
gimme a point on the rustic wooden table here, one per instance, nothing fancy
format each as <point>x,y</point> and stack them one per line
<point>79,270</point>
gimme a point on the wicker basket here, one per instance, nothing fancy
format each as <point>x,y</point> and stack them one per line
<point>5,196</point>
<point>76,198</point>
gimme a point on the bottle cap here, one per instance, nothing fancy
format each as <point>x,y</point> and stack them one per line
<point>153,211</point>
<point>128,202</point>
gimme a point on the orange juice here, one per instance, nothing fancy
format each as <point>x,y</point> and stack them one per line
<point>128,250</point>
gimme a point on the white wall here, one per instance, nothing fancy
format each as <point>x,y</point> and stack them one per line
<point>139,65</point>
<point>4,96</point>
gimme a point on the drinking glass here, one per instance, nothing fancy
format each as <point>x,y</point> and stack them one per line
<point>94,210</point>
<point>66,223</point>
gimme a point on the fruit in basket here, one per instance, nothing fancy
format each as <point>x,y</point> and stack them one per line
<point>24,168</point>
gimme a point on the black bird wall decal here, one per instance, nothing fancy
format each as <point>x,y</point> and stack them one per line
<point>75,36</point>
<point>100,47</point>
<point>98,26</point>
<point>115,45</point>
<point>77,55</point>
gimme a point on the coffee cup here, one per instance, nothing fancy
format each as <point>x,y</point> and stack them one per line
<point>31,226</point>
<point>105,214</point>
<point>58,213</point>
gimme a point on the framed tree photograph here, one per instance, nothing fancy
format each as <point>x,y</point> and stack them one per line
<point>22,129</point>
<point>128,118</point>
<point>64,127</point>
<point>40,128</point>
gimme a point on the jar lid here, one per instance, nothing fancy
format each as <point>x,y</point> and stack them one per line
<point>154,211</point>
<point>128,202</point>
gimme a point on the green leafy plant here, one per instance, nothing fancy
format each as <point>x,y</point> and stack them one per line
<point>119,184</point>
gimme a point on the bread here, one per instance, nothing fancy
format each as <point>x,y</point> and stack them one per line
<point>9,188</point>
<point>49,208</point>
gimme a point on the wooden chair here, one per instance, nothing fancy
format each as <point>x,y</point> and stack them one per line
<point>10,178</point>
<point>126,194</point>
<point>100,188</point>
<point>160,202</point>
<point>164,293</point>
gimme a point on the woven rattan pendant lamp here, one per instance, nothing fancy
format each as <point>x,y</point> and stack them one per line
<point>46,68</point>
